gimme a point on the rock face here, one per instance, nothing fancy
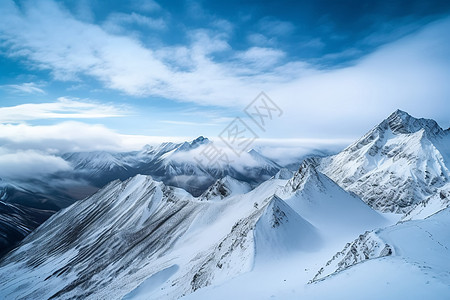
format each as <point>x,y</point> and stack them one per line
<point>400,162</point>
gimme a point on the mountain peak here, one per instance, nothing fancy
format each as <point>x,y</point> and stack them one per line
<point>307,171</point>
<point>188,146</point>
<point>201,139</point>
<point>401,113</point>
<point>401,122</point>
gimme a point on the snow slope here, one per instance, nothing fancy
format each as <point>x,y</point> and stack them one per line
<point>326,205</point>
<point>416,268</point>
<point>423,246</point>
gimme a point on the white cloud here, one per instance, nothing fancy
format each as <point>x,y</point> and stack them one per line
<point>73,136</point>
<point>276,27</point>
<point>63,108</point>
<point>27,164</point>
<point>50,38</point>
<point>261,58</point>
<point>118,22</point>
<point>27,87</point>
<point>411,73</point>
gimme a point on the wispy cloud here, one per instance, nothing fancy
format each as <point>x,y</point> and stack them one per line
<point>27,164</point>
<point>50,38</point>
<point>206,70</point>
<point>188,123</point>
<point>63,108</point>
<point>275,27</point>
<point>120,22</point>
<point>27,88</point>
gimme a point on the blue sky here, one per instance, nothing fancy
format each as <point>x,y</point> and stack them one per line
<point>134,72</point>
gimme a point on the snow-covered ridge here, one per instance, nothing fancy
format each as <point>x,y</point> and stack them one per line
<point>402,123</point>
<point>366,246</point>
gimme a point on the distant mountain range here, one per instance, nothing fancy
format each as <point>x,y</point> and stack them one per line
<point>337,223</point>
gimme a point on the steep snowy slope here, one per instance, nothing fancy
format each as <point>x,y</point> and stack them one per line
<point>422,245</point>
<point>400,162</point>
<point>404,261</point>
<point>326,205</point>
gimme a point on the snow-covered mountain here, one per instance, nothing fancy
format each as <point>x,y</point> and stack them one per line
<point>323,203</point>
<point>169,162</point>
<point>143,238</point>
<point>400,162</point>
<point>174,164</point>
<point>252,230</point>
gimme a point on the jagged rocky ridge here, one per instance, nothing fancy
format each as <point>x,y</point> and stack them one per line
<point>366,246</point>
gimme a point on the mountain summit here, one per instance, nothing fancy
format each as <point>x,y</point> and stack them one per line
<point>401,122</point>
<point>401,161</point>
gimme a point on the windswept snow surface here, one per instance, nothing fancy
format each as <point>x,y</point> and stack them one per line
<point>417,268</point>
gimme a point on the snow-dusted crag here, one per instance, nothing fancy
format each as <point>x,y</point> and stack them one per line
<point>366,246</point>
<point>225,187</point>
<point>400,162</point>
